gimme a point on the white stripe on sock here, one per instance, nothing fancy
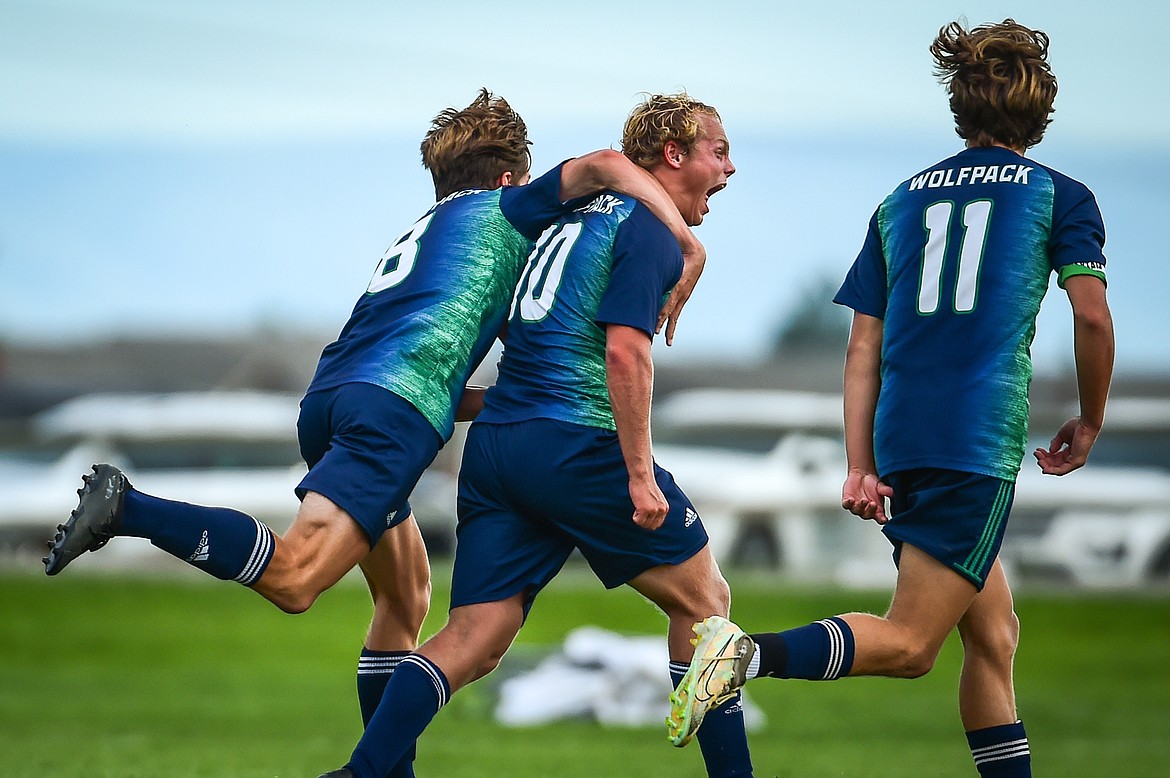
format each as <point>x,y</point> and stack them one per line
<point>998,751</point>
<point>377,665</point>
<point>433,673</point>
<point>253,567</point>
<point>836,649</point>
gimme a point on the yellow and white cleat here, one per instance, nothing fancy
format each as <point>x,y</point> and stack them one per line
<point>717,671</point>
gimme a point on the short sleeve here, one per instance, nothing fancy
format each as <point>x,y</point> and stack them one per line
<point>864,288</point>
<point>533,207</point>
<point>647,263</point>
<point>1077,243</point>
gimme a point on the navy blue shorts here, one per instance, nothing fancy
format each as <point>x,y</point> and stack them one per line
<point>531,492</point>
<point>956,517</point>
<point>366,448</point>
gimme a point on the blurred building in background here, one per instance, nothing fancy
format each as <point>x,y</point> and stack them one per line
<point>756,446</point>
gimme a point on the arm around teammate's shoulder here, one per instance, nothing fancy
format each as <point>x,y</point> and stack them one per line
<point>609,169</point>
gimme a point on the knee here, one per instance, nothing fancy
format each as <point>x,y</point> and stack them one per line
<point>403,608</point>
<point>712,599</point>
<point>488,661</point>
<point>288,587</point>
<point>294,600</point>
<point>915,661</point>
<point>467,654</point>
<point>995,642</point>
<point>719,597</point>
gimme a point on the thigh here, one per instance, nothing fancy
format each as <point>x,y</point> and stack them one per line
<point>366,448</point>
<point>322,545</point>
<point>399,577</point>
<point>398,561</point>
<point>929,598</point>
<point>991,618</point>
<point>694,585</point>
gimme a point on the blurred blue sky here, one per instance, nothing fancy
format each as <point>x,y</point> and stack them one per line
<point>222,166</point>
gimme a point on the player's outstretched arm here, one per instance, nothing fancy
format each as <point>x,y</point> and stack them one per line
<point>1093,346</point>
<point>609,169</point>
<point>629,374</point>
<point>862,493</point>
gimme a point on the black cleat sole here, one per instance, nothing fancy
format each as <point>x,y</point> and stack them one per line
<point>93,522</point>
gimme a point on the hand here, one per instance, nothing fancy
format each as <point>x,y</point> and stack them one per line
<point>694,258</point>
<point>1069,449</point>
<point>864,495</point>
<point>650,506</point>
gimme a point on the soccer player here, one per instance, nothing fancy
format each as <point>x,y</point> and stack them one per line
<point>560,457</point>
<point>945,293</point>
<point>386,393</point>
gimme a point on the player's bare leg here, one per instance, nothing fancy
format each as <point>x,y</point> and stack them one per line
<point>475,639</point>
<point>322,545</point>
<point>686,593</point>
<point>399,577</point>
<point>929,599</point>
<point>990,633</point>
<point>987,701</point>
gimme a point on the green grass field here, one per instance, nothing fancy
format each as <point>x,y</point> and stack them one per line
<point>104,675</point>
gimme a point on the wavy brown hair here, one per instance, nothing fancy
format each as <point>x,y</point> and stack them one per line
<point>1001,85</point>
<point>662,118</point>
<point>471,148</point>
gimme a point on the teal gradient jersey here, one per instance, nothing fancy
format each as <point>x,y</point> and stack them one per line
<point>956,262</point>
<point>610,262</point>
<point>440,295</point>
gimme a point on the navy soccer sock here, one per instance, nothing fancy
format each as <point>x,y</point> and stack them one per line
<point>722,737</point>
<point>417,690</point>
<point>821,651</point>
<point>374,671</point>
<point>1001,751</point>
<point>222,542</point>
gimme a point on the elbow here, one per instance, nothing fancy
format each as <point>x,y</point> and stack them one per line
<point>1096,321</point>
<point>618,360</point>
<point>602,168</point>
<point>862,353</point>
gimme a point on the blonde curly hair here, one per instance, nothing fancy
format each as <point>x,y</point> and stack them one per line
<point>1001,85</point>
<point>659,119</point>
<point>471,148</point>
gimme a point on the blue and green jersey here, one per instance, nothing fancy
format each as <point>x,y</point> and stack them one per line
<point>439,297</point>
<point>956,263</point>
<point>610,262</point>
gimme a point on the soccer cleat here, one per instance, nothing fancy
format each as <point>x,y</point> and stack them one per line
<point>344,772</point>
<point>93,522</point>
<point>718,669</point>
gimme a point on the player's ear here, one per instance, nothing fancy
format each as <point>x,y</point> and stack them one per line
<point>673,153</point>
<point>505,179</point>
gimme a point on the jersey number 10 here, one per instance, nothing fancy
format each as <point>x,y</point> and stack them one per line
<point>540,281</point>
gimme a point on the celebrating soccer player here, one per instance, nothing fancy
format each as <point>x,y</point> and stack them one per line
<point>386,393</point>
<point>560,458</point>
<point>945,294</point>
